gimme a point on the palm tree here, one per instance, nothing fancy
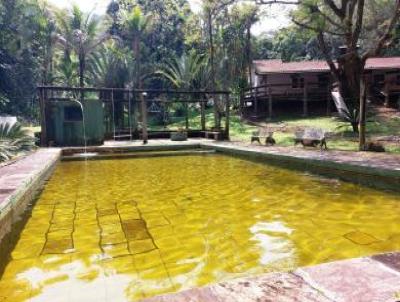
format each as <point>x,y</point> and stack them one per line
<point>82,34</point>
<point>111,66</point>
<point>183,72</point>
<point>66,72</point>
<point>188,72</point>
<point>136,24</point>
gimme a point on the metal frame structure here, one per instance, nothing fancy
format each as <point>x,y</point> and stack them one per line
<point>134,99</point>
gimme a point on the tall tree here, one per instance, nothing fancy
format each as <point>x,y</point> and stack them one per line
<point>81,33</point>
<point>346,19</point>
<point>136,24</point>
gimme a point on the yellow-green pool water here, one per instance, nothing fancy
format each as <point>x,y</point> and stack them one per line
<point>121,230</point>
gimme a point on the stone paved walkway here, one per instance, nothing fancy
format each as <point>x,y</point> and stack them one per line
<point>374,279</point>
<point>18,174</point>
<point>367,159</point>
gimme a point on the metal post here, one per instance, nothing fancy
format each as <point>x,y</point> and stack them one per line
<point>113,111</point>
<point>144,117</point>
<point>203,112</point>
<point>227,115</point>
<point>186,114</point>
<point>130,115</point>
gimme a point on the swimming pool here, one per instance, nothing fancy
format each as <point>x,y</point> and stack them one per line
<point>125,229</point>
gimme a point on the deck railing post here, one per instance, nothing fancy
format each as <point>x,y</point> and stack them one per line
<point>387,93</point>
<point>256,102</point>
<point>328,100</point>
<point>269,103</point>
<point>305,100</point>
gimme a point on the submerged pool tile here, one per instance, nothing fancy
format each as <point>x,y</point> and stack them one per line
<point>148,260</point>
<point>27,250</point>
<point>107,212</point>
<point>58,246</point>
<point>15,291</point>
<point>361,238</point>
<point>166,242</point>
<point>115,238</point>
<point>129,215</point>
<point>135,229</point>
<point>116,250</point>
<point>141,246</point>
<point>109,220</point>
<point>162,231</point>
<point>120,265</point>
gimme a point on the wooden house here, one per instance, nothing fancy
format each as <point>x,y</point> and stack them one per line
<point>308,84</point>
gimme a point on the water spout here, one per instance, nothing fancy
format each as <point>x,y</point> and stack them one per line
<point>83,121</point>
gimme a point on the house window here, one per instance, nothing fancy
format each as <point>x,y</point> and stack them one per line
<point>323,80</point>
<point>297,82</point>
<point>398,80</point>
<point>379,79</point>
<point>73,114</point>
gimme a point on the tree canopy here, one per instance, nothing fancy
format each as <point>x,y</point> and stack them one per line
<point>135,39</point>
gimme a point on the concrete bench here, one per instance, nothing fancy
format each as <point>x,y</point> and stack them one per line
<point>311,138</point>
<point>263,134</point>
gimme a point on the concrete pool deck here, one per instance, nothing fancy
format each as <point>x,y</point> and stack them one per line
<point>372,279</point>
<point>19,182</point>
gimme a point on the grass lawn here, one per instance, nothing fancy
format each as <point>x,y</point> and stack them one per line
<point>341,135</point>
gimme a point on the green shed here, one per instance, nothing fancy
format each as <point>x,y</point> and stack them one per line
<point>66,125</point>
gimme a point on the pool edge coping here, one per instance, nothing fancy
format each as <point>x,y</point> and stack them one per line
<point>373,278</point>
<point>24,189</point>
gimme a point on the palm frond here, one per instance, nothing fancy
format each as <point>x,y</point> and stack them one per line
<point>13,140</point>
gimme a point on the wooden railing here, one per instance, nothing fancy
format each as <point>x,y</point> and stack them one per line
<point>271,92</point>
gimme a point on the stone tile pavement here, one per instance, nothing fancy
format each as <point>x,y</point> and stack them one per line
<point>20,173</point>
<point>365,159</point>
<point>371,279</point>
<point>19,181</point>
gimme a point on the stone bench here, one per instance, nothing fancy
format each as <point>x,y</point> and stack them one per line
<point>311,137</point>
<point>263,133</point>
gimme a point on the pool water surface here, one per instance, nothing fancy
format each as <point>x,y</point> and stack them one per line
<point>122,230</point>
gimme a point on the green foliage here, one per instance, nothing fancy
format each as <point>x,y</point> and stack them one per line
<point>80,34</point>
<point>111,66</point>
<point>14,140</point>
<point>185,72</point>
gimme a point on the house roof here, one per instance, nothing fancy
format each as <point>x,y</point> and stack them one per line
<point>278,66</point>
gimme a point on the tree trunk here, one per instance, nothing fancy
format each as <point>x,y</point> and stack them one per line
<point>249,56</point>
<point>351,70</point>
<point>211,42</point>
<point>143,106</point>
<point>81,70</point>
<point>363,110</point>
<point>81,76</point>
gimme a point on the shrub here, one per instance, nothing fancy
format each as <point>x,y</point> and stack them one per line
<point>14,140</point>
